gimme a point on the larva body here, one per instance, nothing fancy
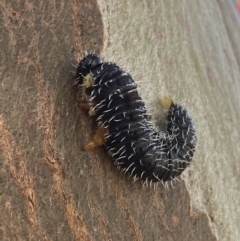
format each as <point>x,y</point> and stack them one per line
<point>129,137</point>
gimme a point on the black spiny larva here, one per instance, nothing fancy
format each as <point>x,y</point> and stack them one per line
<point>111,96</point>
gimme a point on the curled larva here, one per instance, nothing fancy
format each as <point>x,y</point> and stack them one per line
<point>110,94</point>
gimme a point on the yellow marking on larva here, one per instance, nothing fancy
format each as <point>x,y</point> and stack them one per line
<point>166,102</point>
<point>88,81</point>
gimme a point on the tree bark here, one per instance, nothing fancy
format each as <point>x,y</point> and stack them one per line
<point>49,188</point>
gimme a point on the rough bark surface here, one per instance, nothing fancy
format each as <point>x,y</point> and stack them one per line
<point>49,188</point>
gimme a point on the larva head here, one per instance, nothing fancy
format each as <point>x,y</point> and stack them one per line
<point>86,65</point>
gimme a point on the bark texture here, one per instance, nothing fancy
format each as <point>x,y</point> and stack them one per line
<point>49,188</point>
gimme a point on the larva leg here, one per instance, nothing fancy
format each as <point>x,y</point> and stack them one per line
<point>166,102</point>
<point>98,139</point>
<point>87,106</point>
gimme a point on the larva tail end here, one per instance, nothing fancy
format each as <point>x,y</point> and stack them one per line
<point>166,102</point>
